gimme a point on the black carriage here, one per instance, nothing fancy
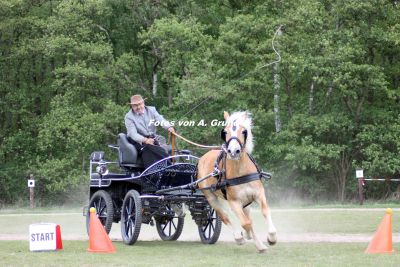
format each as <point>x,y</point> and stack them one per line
<point>133,195</point>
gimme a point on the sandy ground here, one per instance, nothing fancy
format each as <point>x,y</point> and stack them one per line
<point>190,232</point>
<point>226,237</point>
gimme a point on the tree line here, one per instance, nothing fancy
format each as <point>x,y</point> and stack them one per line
<point>330,105</point>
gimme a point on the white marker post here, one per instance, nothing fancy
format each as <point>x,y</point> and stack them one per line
<point>361,183</point>
<point>31,185</point>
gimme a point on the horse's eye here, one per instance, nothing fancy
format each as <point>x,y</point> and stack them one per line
<point>223,134</point>
<point>244,134</point>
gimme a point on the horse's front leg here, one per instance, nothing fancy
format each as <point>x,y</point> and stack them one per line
<point>246,223</point>
<point>272,238</point>
<point>221,207</point>
<point>234,223</point>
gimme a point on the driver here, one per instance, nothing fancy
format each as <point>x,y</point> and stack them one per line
<point>140,123</point>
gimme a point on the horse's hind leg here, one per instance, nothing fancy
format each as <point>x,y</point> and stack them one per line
<point>246,210</point>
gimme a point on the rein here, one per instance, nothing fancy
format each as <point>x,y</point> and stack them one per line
<point>221,185</point>
<point>195,144</point>
<point>222,182</point>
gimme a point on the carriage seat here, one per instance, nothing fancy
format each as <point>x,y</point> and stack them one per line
<point>128,155</point>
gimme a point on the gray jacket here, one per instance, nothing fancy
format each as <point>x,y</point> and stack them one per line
<point>138,127</point>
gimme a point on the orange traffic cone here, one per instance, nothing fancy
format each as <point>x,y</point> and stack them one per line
<point>98,238</point>
<point>382,240</point>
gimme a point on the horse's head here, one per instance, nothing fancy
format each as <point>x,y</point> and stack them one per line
<point>237,134</point>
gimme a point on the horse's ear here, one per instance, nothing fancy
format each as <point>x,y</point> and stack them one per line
<point>226,115</point>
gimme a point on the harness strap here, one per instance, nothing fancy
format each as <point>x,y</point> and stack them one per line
<point>218,160</point>
<point>255,163</point>
<point>241,179</point>
<point>223,182</point>
<point>234,181</point>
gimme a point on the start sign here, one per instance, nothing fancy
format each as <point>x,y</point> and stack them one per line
<point>44,236</point>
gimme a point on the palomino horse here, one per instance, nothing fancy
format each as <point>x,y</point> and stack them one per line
<point>238,183</point>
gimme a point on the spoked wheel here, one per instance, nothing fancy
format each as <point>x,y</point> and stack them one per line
<point>170,228</point>
<point>210,230</point>
<point>101,200</point>
<point>131,217</point>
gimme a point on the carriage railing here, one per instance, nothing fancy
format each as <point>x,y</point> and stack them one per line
<point>183,163</point>
<point>172,163</point>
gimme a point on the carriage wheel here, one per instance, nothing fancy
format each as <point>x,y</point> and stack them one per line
<point>102,202</point>
<point>169,228</point>
<point>131,217</point>
<point>210,230</point>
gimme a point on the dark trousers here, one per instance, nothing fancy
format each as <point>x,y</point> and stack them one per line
<point>152,153</point>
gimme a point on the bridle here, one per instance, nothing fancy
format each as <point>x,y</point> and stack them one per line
<point>226,142</point>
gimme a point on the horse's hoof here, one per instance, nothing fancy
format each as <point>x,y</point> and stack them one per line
<point>240,241</point>
<point>247,236</point>
<point>272,242</point>
<point>263,250</point>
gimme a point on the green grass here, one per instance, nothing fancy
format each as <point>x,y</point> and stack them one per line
<point>52,209</point>
<point>332,204</point>
<point>157,253</point>
<point>326,221</point>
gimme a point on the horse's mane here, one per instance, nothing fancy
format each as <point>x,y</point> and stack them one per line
<point>244,119</point>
